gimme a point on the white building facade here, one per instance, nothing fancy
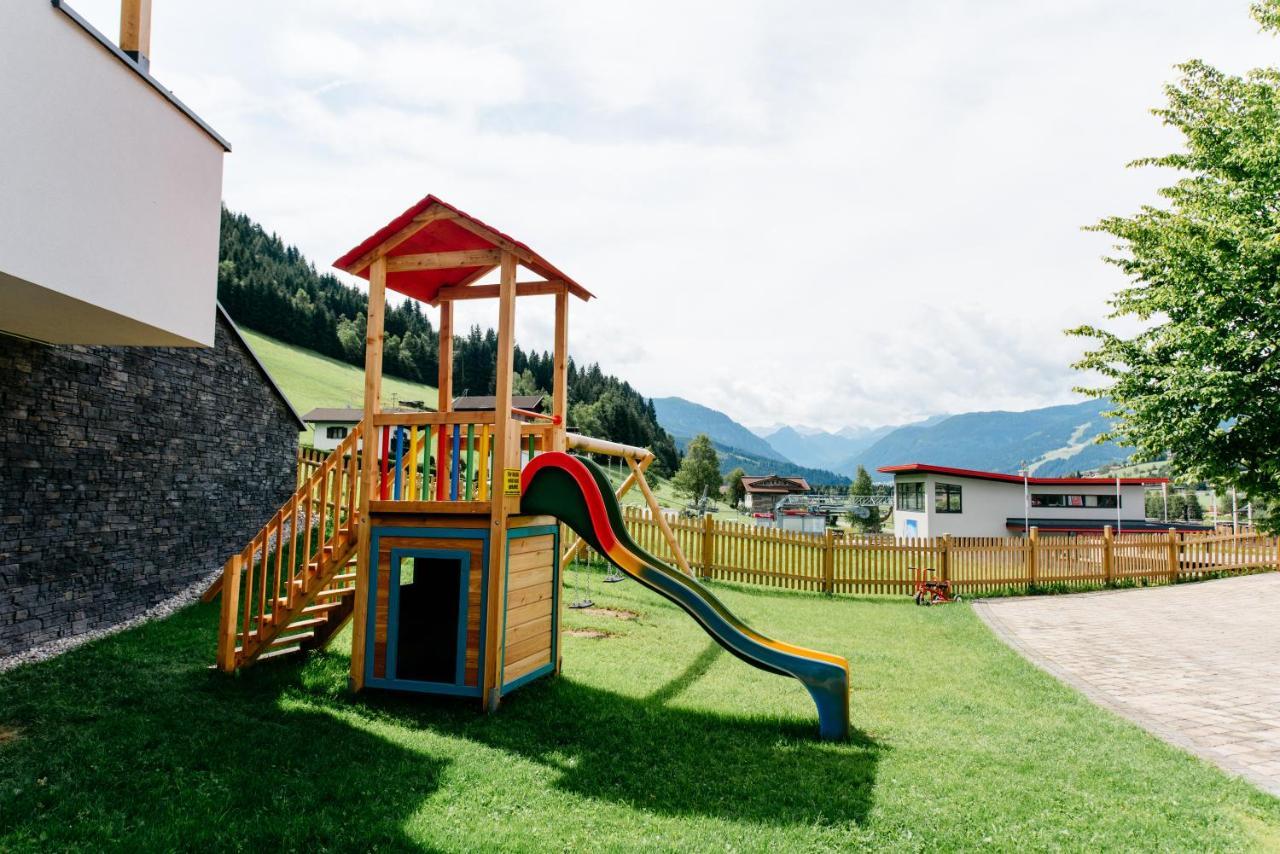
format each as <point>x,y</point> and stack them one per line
<point>930,501</point>
<point>112,188</point>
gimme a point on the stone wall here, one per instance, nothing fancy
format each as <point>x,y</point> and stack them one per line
<point>127,475</point>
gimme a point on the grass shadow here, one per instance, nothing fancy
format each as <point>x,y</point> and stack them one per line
<point>647,754</point>
<point>133,742</point>
<point>695,671</point>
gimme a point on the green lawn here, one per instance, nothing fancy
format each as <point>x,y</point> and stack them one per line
<point>310,380</point>
<point>653,738</point>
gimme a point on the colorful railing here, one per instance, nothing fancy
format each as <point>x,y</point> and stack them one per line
<point>446,456</point>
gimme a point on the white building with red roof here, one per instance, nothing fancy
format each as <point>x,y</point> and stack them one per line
<point>930,501</point>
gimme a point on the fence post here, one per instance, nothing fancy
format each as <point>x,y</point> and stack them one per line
<point>230,612</point>
<point>1033,557</point>
<point>1108,556</point>
<point>1173,556</point>
<point>828,562</point>
<point>708,544</point>
<point>944,560</point>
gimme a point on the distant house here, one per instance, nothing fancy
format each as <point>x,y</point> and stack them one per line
<point>484,403</point>
<point>331,425</point>
<point>930,501</point>
<point>764,491</point>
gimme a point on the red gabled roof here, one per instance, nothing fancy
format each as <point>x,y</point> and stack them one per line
<point>925,468</point>
<point>444,235</point>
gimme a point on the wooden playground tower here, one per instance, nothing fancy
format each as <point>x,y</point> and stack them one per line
<point>454,591</point>
<point>452,525</point>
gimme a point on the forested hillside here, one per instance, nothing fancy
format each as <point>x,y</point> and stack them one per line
<point>270,287</point>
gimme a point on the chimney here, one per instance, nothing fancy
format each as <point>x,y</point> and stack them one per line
<point>135,31</point>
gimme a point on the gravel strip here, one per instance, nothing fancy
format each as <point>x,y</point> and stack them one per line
<point>177,602</point>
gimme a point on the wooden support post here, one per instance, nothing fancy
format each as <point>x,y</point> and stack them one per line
<point>656,510</point>
<point>829,562</point>
<point>1108,555</point>
<point>560,377</point>
<point>1173,555</point>
<point>227,625</point>
<point>1033,556</point>
<point>708,546</point>
<point>506,455</point>
<point>135,31</point>
<point>369,460</point>
<point>444,395</point>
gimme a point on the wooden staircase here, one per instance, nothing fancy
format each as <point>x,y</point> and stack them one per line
<point>292,587</point>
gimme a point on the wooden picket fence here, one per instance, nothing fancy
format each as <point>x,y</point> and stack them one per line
<point>309,460</point>
<point>882,564</point>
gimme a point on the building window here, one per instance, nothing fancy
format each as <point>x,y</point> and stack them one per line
<point>1041,499</point>
<point>946,498</point>
<point>335,432</point>
<point>911,497</point>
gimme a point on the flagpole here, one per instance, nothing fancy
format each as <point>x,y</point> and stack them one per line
<point>1119,524</point>
<point>1026,502</point>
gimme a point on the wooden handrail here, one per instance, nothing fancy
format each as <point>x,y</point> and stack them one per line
<point>539,416</point>
<point>593,445</point>
<point>266,587</point>
<point>419,419</point>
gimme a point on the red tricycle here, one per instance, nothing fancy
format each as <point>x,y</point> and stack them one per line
<point>929,591</point>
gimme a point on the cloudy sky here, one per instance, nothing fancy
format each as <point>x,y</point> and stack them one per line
<point>828,213</point>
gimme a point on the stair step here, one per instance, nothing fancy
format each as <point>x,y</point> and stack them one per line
<point>321,607</point>
<point>306,623</point>
<point>276,653</point>
<point>286,640</point>
<point>346,576</point>
<point>335,591</point>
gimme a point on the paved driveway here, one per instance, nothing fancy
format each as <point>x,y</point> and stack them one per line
<point>1196,664</point>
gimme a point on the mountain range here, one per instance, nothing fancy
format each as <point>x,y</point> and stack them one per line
<point>736,445</point>
<point>1054,440</point>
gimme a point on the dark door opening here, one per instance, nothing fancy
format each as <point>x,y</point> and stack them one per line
<point>427,635</point>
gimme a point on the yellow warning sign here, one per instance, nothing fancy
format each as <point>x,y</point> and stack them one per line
<point>511,482</point>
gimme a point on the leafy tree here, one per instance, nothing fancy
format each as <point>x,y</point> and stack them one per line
<point>1202,378</point>
<point>737,493</point>
<point>862,486</point>
<point>1193,508</point>
<point>700,468</point>
<point>524,383</point>
<point>351,337</point>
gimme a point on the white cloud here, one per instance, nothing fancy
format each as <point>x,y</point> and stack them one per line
<point>888,195</point>
<point>312,55</point>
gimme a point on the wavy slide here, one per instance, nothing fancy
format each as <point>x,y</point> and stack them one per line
<point>575,490</point>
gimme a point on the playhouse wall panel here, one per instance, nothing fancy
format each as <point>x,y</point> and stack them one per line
<point>530,618</point>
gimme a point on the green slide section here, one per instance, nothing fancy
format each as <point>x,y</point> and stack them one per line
<point>576,491</point>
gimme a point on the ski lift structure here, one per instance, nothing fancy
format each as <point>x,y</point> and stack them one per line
<point>803,512</point>
<point>703,506</point>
